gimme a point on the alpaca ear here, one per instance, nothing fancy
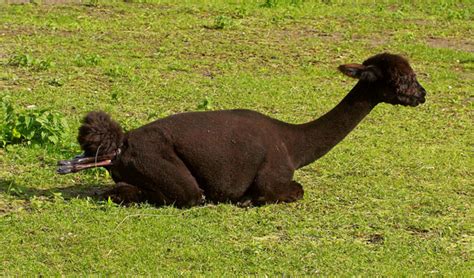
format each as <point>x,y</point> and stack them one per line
<point>370,73</point>
<point>366,73</point>
<point>352,70</point>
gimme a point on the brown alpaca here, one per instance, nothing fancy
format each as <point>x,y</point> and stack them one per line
<point>238,156</point>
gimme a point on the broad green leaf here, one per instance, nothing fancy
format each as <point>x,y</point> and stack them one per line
<point>16,134</point>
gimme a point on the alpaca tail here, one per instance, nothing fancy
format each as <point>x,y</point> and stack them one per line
<point>99,134</point>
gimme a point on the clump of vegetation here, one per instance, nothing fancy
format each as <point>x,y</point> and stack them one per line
<point>32,126</point>
<point>275,3</point>
<point>222,21</point>
<point>93,3</point>
<point>116,95</point>
<point>270,3</point>
<point>28,61</point>
<point>205,104</point>
<point>55,82</point>
<point>116,72</point>
<point>87,60</point>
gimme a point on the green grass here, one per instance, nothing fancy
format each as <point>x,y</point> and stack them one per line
<point>394,198</point>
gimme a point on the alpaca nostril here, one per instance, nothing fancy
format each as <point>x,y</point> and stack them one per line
<point>423,91</point>
<point>421,94</point>
<point>421,98</point>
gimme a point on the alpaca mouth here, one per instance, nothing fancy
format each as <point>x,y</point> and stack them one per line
<point>412,100</point>
<point>81,162</point>
<point>420,98</point>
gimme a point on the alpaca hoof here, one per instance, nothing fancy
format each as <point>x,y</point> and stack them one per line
<point>245,203</point>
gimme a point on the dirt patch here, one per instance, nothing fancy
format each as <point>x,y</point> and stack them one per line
<point>9,30</point>
<point>378,42</point>
<point>297,32</point>
<point>269,47</point>
<point>420,21</point>
<point>464,45</point>
<point>48,2</point>
<point>375,239</point>
<point>420,232</point>
<point>8,205</point>
<point>20,30</point>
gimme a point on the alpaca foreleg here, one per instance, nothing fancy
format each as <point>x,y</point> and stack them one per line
<point>280,193</point>
<point>272,186</point>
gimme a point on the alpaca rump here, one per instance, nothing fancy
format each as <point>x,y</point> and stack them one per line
<point>99,134</point>
<point>238,156</point>
<point>100,138</point>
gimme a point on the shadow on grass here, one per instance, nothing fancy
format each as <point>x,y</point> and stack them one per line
<point>82,191</point>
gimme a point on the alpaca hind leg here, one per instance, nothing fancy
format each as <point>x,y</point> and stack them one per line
<point>124,193</point>
<point>175,182</point>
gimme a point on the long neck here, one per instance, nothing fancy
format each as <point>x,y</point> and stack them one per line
<point>316,138</point>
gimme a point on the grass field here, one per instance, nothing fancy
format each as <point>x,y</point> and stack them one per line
<point>394,198</point>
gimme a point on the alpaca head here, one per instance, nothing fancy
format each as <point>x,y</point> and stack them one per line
<point>390,78</point>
